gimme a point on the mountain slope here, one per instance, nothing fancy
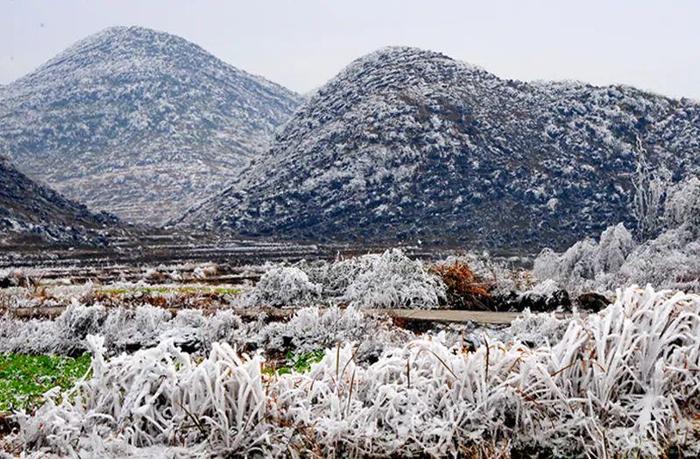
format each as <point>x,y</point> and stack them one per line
<point>406,144</point>
<point>137,122</point>
<point>29,210</point>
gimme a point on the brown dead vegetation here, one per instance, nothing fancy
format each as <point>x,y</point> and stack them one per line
<point>465,290</point>
<point>180,300</point>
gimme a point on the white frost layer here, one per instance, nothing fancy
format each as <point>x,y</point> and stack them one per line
<point>618,383</point>
<point>146,326</point>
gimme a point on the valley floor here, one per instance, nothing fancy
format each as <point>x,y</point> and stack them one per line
<point>173,348</point>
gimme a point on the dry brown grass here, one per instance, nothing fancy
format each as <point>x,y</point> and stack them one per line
<point>179,300</point>
<point>465,290</point>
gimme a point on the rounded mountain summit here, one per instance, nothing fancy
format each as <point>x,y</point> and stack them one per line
<point>407,145</point>
<point>140,123</point>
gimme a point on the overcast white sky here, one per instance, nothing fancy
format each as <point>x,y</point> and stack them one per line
<point>654,45</point>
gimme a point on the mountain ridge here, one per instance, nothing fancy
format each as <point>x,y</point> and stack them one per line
<point>138,122</point>
<point>407,145</point>
<point>31,211</point>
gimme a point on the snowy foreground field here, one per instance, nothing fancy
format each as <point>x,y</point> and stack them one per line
<point>293,359</point>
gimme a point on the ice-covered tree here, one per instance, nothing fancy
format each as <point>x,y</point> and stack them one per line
<point>683,205</point>
<point>650,186</point>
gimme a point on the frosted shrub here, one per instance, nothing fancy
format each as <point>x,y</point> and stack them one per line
<point>122,329</point>
<point>568,269</point>
<point>502,275</point>
<point>311,329</point>
<point>126,329</point>
<point>65,335</point>
<point>337,276</point>
<point>614,246</point>
<point>587,265</point>
<point>160,396</point>
<point>224,326</point>
<point>205,270</point>
<point>651,184</point>
<point>29,336</point>
<point>191,329</point>
<point>545,288</point>
<point>284,286</point>
<point>683,206</point>
<point>672,260</point>
<point>669,261</point>
<point>392,280</point>
<point>74,324</point>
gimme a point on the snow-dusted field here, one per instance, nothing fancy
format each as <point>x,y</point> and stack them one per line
<point>287,359</point>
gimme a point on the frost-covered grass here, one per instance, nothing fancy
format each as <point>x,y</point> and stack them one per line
<point>620,383</point>
<point>123,329</point>
<point>25,378</point>
<point>333,380</point>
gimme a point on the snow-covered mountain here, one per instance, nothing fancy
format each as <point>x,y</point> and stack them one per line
<point>407,144</point>
<point>32,211</point>
<point>140,123</point>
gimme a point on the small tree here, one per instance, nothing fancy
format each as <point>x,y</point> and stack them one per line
<point>650,189</point>
<point>683,205</point>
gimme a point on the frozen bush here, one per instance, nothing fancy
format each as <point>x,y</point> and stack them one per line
<point>284,286</point>
<point>502,276</point>
<point>672,260</point>
<point>76,323</point>
<point>185,330</point>
<point>123,330</point>
<point>205,270</point>
<point>311,329</point>
<point>650,184</point>
<point>126,329</point>
<point>65,335</point>
<point>160,396</point>
<point>29,336</point>
<point>683,206</point>
<point>545,288</point>
<point>337,276</point>
<point>224,326</point>
<point>392,280</point>
<point>669,261</point>
<point>614,246</point>
<point>587,263</point>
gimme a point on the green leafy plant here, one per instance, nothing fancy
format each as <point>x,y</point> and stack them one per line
<point>301,362</point>
<point>25,378</point>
